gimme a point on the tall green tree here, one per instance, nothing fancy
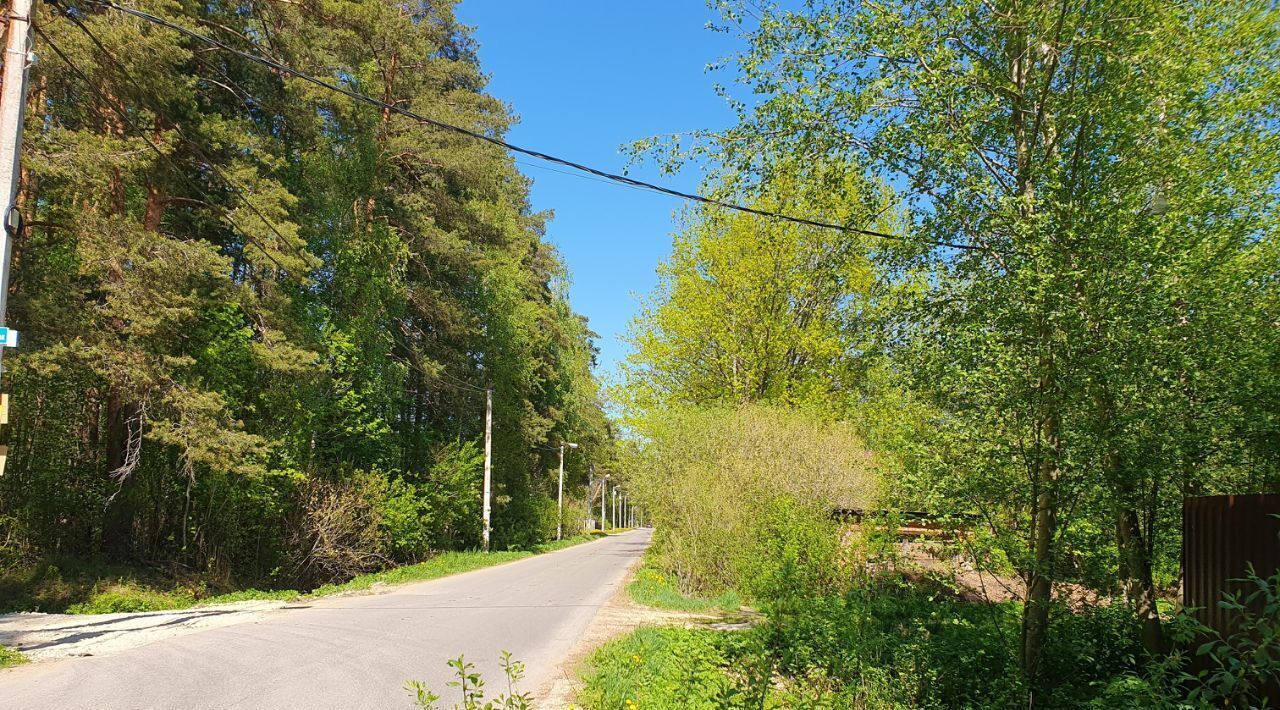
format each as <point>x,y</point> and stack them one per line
<point>750,309</point>
<point>249,302</point>
<point>1111,167</point>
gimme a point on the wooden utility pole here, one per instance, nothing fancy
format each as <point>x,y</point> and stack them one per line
<point>488,463</point>
<point>13,102</point>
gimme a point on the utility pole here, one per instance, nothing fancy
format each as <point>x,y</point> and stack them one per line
<point>560,491</point>
<point>13,103</point>
<point>604,500</point>
<point>488,463</point>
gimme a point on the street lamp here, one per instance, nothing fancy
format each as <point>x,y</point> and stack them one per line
<point>560,491</point>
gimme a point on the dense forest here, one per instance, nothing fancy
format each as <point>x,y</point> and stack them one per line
<point>259,318</point>
<point>1066,322</point>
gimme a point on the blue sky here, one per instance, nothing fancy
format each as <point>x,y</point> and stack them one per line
<point>586,77</point>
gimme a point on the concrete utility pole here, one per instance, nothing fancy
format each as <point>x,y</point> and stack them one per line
<point>604,500</point>
<point>560,491</point>
<point>488,463</point>
<point>13,103</point>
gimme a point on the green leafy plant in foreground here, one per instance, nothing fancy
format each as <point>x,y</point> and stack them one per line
<point>470,685</point>
<point>1236,669</point>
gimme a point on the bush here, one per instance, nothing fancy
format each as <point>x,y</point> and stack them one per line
<point>793,553</point>
<point>439,511</point>
<point>338,535</point>
<point>759,455</point>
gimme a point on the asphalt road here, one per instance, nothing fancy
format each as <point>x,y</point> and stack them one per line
<point>353,652</point>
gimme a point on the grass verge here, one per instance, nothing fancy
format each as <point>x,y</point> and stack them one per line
<point>82,587</point>
<point>10,657</point>
<point>443,565</point>
<point>666,667</point>
<point>657,589</point>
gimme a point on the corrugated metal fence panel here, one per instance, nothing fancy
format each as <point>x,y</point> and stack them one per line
<point>1221,535</point>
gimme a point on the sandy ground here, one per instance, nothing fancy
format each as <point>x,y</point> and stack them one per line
<point>46,637</point>
<point>619,616</point>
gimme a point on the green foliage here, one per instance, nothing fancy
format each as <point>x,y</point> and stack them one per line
<point>1078,318</point>
<point>793,554</point>
<point>655,588</point>
<point>84,586</point>
<point>1243,666</point>
<point>275,328</point>
<point>751,310</point>
<point>887,645</point>
<point>471,687</point>
<point>441,511</point>
<point>10,657</point>
<point>709,527</point>
<point>117,598</point>
<point>665,668</point>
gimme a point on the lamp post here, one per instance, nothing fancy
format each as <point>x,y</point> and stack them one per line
<point>560,491</point>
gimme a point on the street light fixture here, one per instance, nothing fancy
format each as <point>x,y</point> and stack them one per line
<point>560,491</point>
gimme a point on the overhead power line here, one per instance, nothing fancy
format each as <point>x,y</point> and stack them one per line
<point>213,166</point>
<point>128,121</point>
<point>612,177</point>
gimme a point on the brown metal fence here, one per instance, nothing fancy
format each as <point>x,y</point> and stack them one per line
<point>1221,536</point>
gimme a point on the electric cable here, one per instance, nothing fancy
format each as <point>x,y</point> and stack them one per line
<point>612,177</point>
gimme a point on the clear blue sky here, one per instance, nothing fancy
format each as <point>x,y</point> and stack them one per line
<point>585,77</point>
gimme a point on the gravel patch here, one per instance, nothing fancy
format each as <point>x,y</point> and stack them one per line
<point>45,637</point>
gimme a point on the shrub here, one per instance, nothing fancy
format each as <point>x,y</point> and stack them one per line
<point>338,532</point>
<point>1242,666</point>
<point>792,553</point>
<point>758,455</point>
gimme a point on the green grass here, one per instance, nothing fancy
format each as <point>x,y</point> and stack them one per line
<point>657,589</point>
<point>10,657</point>
<point>667,668</point>
<point>443,565</point>
<point>86,587</point>
<point>127,597</point>
<point>56,585</point>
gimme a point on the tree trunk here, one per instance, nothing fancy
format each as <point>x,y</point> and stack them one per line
<point>117,524</point>
<point>1035,613</point>
<point>1138,585</point>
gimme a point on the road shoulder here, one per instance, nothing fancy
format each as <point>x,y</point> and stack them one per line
<point>618,616</point>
